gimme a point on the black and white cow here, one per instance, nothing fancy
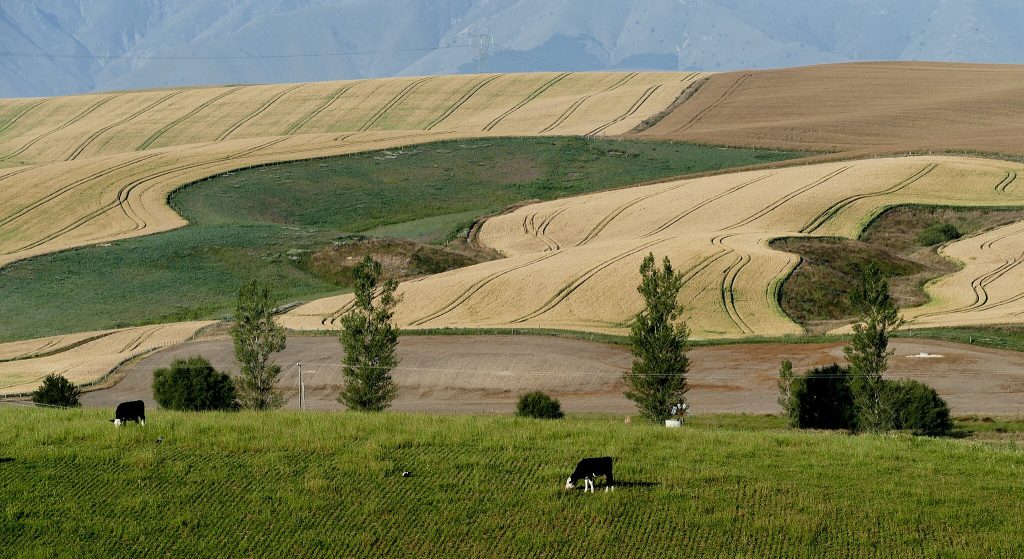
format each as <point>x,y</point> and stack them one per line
<point>130,411</point>
<point>588,469</point>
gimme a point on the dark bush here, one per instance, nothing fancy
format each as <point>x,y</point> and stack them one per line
<point>540,405</point>
<point>57,391</point>
<point>917,408</point>
<point>938,233</point>
<point>193,385</point>
<point>822,399</point>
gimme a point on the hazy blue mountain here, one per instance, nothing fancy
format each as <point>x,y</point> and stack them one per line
<point>95,45</point>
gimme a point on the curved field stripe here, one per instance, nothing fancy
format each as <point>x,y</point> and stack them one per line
<point>535,94</point>
<point>24,111</point>
<point>579,102</point>
<point>92,108</point>
<point>138,340</point>
<point>71,186</point>
<point>776,204</point>
<point>578,282</point>
<point>92,137</point>
<point>334,316</point>
<point>156,135</point>
<point>473,289</point>
<point>540,231</point>
<point>839,206</point>
<point>615,213</point>
<point>1006,182</point>
<point>16,173</point>
<point>461,101</point>
<point>680,216</point>
<point>224,135</point>
<point>714,104</point>
<point>121,200</point>
<point>979,285</point>
<point>334,96</point>
<point>629,112</point>
<point>402,95</point>
<point>54,347</point>
<point>728,293</point>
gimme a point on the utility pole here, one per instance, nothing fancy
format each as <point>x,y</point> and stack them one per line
<point>302,389</point>
<point>482,43</point>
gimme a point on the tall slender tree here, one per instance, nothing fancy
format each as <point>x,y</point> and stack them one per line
<point>256,338</point>
<point>370,341</point>
<point>868,351</point>
<point>659,341</point>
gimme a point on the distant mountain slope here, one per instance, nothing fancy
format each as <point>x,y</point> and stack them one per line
<point>119,44</point>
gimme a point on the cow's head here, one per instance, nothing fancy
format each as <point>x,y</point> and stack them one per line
<point>568,483</point>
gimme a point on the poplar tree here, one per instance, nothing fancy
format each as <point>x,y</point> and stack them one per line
<point>370,341</point>
<point>659,340</point>
<point>256,338</point>
<point>868,351</point>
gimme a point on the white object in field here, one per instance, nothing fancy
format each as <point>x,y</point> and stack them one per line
<point>925,355</point>
<point>673,423</point>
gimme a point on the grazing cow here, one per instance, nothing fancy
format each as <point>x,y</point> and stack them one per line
<point>130,411</point>
<point>588,469</point>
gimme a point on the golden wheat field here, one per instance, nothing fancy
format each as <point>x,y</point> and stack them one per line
<point>93,168</point>
<point>83,358</point>
<point>573,263</point>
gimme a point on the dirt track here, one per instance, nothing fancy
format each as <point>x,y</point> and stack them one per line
<point>468,374</point>
<point>858,108</point>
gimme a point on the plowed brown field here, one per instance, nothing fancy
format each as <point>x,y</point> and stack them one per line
<point>859,108</point>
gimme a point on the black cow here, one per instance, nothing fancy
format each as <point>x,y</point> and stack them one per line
<point>130,411</point>
<point>588,469</point>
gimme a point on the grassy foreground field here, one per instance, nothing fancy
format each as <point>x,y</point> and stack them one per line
<point>330,485</point>
<point>267,222</point>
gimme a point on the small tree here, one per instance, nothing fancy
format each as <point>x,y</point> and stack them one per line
<point>193,385</point>
<point>918,408</point>
<point>868,351</point>
<point>819,399</point>
<point>539,405</point>
<point>256,337</point>
<point>57,391</point>
<point>370,341</point>
<point>657,380</point>
<point>787,400</point>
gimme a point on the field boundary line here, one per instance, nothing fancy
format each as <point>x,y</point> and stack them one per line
<point>729,91</point>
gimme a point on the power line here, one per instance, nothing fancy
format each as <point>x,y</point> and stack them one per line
<point>8,54</point>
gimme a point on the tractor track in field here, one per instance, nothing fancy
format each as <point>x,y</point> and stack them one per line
<point>16,172</point>
<point>539,232</point>
<point>629,112</point>
<point>95,135</point>
<point>71,186</point>
<point>839,206</point>
<point>461,101</point>
<point>787,198</point>
<point>89,110</point>
<point>260,110</point>
<point>618,210</point>
<point>579,102</point>
<point>394,102</point>
<point>54,347</point>
<point>533,95</point>
<point>137,341</point>
<point>1004,184</point>
<point>728,292</point>
<point>121,199</point>
<point>167,127</point>
<point>476,287</point>
<point>703,203</point>
<point>330,100</point>
<point>582,279</point>
<point>729,92</point>
<point>25,111</point>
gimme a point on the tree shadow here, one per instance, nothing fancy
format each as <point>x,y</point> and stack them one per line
<point>4,460</point>
<point>641,484</point>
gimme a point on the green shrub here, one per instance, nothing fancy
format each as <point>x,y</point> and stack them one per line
<point>821,399</point>
<point>540,405</point>
<point>57,391</point>
<point>917,408</point>
<point>938,233</point>
<point>193,385</point>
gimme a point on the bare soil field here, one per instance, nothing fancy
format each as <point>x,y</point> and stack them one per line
<point>480,374</point>
<point>888,107</point>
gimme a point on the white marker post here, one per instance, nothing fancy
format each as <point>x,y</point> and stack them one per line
<point>302,389</point>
